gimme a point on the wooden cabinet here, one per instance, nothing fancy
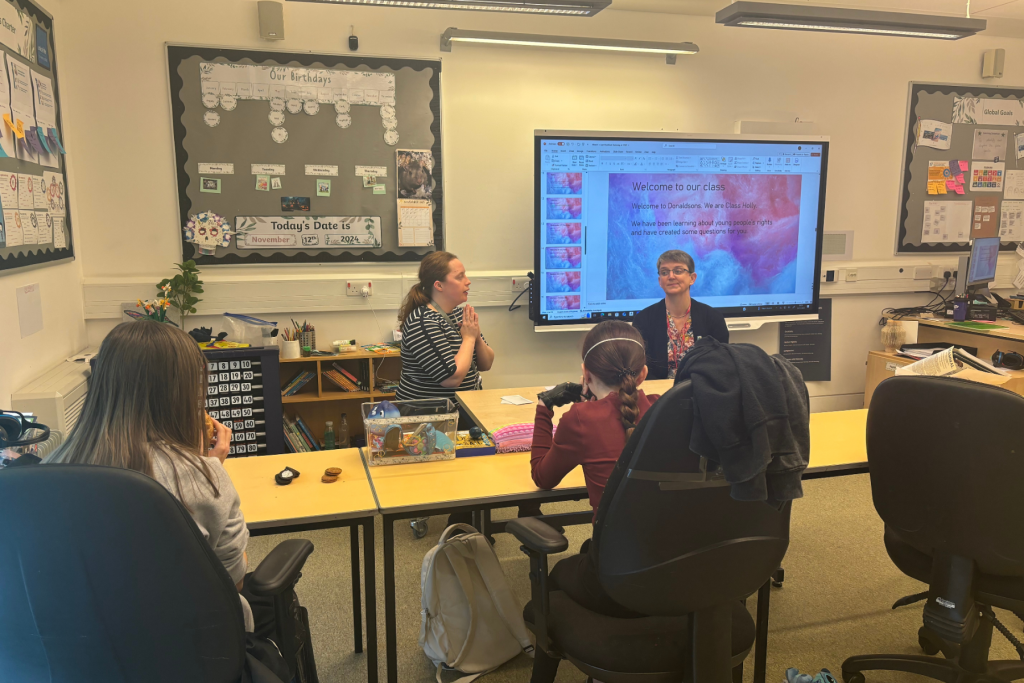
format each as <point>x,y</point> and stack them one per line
<point>883,365</point>
<point>321,400</point>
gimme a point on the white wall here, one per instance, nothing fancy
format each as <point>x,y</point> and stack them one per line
<point>853,87</point>
<point>63,332</point>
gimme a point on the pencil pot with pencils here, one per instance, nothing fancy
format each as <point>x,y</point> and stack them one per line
<point>410,431</point>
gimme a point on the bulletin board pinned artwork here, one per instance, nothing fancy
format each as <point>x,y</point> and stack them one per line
<point>304,158</point>
<point>963,170</point>
<point>35,224</point>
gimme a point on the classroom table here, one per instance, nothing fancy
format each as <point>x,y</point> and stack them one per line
<point>306,504</point>
<point>483,483</point>
<point>837,438</point>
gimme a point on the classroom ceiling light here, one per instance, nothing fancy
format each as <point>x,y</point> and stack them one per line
<point>578,8</point>
<point>871,22</point>
<point>670,50</point>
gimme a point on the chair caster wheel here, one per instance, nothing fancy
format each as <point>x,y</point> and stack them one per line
<point>929,645</point>
<point>778,576</point>
<point>853,677</point>
<point>419,528</point>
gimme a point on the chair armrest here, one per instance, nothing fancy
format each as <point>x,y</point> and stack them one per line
<point>280,569</point>
<point>537,535</point>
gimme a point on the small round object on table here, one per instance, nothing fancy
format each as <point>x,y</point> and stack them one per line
<point>332,471</point>
<point>328,479</point>
<point>286,476</point>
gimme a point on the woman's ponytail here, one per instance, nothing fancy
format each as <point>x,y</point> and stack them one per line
<point>628,409</point>
<point>433,267</point>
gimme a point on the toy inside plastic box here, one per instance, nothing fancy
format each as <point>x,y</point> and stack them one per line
<point>399,432</point>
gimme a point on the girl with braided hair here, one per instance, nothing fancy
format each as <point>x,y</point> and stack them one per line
<point>607,405</point>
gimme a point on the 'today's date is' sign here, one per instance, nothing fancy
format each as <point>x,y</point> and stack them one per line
<point>307,232</point>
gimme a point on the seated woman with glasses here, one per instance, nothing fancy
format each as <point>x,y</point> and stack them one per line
<point>671,326</point>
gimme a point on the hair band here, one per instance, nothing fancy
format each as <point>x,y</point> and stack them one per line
<point>629,339</point>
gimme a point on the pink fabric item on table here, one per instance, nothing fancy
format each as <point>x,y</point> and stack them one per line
<point>514,438</point>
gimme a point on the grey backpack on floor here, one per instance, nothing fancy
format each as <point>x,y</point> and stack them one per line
<point>471,622</point>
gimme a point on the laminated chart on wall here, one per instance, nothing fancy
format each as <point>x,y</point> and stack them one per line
<point>35,225</point>
<point>963,171</point>
<point>302,158</point>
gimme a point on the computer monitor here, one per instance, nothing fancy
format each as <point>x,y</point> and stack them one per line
<point>984,257</point>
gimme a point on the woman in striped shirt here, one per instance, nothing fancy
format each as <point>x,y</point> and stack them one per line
<point>443,350</point>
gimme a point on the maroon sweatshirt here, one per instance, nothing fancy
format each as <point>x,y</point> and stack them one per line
<point>589,434</point>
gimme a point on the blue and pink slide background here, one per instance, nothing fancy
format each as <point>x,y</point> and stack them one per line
<point>762,261</point>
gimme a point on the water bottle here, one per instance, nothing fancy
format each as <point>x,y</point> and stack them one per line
<point>343,432</point>
<point>329,436</point>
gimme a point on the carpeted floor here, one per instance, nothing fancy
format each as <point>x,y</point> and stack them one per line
<point>835,603</point>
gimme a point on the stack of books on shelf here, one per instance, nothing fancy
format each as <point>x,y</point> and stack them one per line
<point>300,380</point>
<point>343,378</point>
<point>297,436</point>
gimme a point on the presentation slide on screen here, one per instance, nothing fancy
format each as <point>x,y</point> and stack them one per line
<point>747,212</point>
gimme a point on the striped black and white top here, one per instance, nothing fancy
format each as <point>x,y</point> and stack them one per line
<point>429,345</point>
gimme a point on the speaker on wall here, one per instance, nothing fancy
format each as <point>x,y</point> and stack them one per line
<point>271,19</point>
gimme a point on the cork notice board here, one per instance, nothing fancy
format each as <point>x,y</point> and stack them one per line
<point>968,129</point>
<point>305,158</point>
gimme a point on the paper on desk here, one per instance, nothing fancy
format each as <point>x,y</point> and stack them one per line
<point>953,361</point>
<point>515,400</point>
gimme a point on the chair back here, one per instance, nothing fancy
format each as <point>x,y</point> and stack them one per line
<point>669,540</point>
<point>104,576</point>
<point>946,458</point>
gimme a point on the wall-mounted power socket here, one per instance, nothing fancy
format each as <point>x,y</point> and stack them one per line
<point>520,284</point>
<point>362,288</point>
<point>851,274</point>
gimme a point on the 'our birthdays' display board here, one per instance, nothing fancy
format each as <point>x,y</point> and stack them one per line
<point>35,225</point>
<point>963,172</point>
<point>304,158</point>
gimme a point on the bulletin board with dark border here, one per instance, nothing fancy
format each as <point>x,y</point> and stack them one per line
<point>242,136</point>
<point>37,51</point>
<point>935,101</point>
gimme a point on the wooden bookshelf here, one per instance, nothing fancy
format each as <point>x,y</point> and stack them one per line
<point>322,400</point>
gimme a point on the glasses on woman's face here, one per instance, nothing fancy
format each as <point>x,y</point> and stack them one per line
<point>678,272</point>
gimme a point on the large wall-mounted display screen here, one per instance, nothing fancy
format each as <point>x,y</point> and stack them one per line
<point>750,212</point>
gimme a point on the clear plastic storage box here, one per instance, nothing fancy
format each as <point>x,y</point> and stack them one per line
<point>400,432</point>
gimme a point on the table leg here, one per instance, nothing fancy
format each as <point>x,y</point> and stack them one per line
<point>370,575</point>
<point>390,625</point>
<point>357,607</point>
<point>761,633</point>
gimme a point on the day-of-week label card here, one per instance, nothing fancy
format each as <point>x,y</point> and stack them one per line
<point>320,169</point>
<point>217,169</point>
<point>267,169</point>
<point>381,171</point>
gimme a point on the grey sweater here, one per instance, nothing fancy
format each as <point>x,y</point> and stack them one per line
<point>219,517</point>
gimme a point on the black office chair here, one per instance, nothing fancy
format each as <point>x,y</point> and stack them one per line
<point>946,458</point>
<point>104,576</point>
<point>668,542</point>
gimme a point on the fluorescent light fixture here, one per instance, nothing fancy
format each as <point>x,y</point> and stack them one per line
<point>578,8</point>
<point>835,19</point>
<point>670,50</point>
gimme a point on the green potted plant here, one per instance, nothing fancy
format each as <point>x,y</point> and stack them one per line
<point>181,289</point>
